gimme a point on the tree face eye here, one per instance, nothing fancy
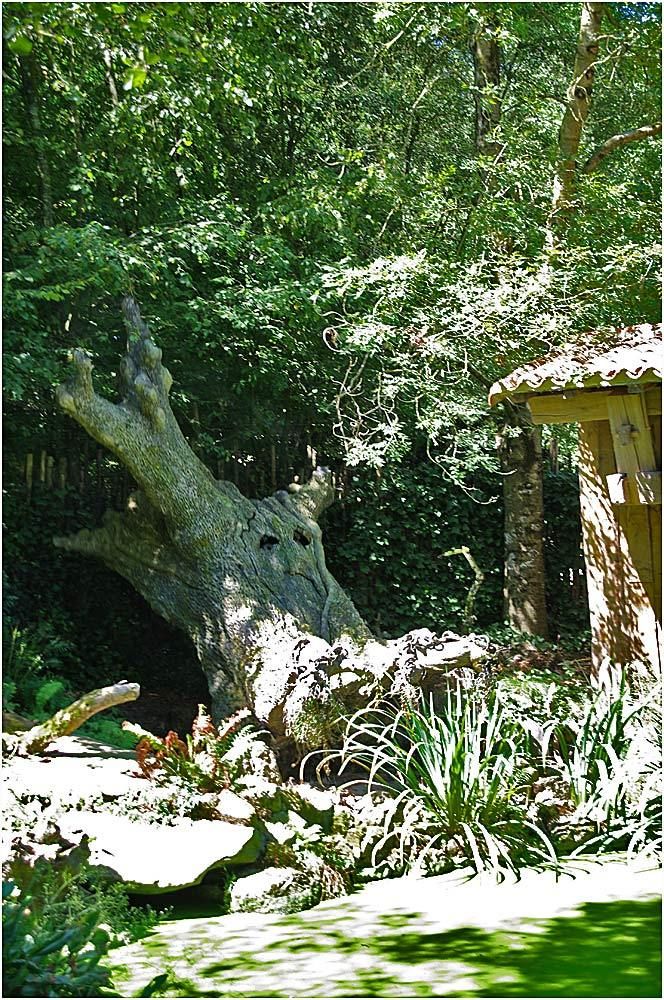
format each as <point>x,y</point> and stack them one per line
<point>299,536</point>
<point>268,542</point>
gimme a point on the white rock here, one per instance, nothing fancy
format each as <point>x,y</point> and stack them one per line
<point>315,805</point>
<point>274,890</point>
<point>74,769</point>
<point>232,806</point>
<point>152,858</point>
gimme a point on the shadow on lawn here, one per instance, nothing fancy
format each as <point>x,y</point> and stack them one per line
<point>608,950</point>
<point>602,950</point>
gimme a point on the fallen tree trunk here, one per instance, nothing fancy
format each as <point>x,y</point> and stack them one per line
<point>245,579</point>
<point>69,719</point>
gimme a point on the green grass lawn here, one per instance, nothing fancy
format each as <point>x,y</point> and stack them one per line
<point>365,947</point>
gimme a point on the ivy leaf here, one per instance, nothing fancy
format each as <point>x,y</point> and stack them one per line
<point>135,77</point>
<point>21,45</point>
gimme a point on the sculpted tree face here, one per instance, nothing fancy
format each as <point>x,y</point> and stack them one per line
<point>237,575</point>
<point>245,579</point>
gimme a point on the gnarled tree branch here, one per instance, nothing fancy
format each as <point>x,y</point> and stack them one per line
<point>617,142</point>
<point>144,434</point>
<point>311,499</point>
<point>137,536</point>
<point>136,545</point>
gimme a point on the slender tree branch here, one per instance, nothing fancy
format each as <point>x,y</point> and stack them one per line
<point>617,142</point>
<point>469,609</point>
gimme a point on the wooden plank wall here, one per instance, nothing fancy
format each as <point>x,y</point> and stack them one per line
<point>622,547</point>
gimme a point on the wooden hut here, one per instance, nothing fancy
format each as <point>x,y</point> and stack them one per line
<point>611,385</point>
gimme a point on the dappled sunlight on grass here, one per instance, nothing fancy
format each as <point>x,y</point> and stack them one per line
<point>349,947</point>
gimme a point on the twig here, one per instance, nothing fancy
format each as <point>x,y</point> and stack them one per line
<point>468,611</point>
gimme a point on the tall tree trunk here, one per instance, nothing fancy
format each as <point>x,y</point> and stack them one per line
<point>486,65</point>
<point>520,450</point>
<point>519,443</point>
<point>579,98</point>
<point>30,75</point>
<point>245,579</point>
<point>110,75</point>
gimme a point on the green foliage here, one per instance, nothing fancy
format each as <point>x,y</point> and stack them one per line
<point>50,962</point>
<point>390,537</point>
<point>460,780</point>
<point>455,782</point>
<point>108,729</point>
<point>614,767</point>
<point>317,723</point>
<point>60,918</point>
<point>600,742</point>
<point>609,757</point>
<point>33,661</point>
<point>256,181</point>
<point>566,594</point>
<point>65,898</point>
<point>392,556</point>
<point>200,760</point>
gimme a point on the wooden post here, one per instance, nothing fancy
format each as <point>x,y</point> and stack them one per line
<point>312,455</point>
<point>50,463</point>
<point>623,621</point>
<point>73,470</point>
<point>630,430</point>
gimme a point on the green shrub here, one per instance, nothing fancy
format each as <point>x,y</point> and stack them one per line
<point>198,760</point>
<point>396,568</point>
<point>40,961</point>
<point>454,781</point>
<point>33,685</point>
<point>70,903</point>
<point>32,682</point>
<point>108,729</point>
<point>65,891</point>
<point>601,742</point>
<point>610,761</point>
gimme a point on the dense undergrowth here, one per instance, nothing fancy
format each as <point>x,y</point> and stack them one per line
<point>60,919</point>
<point>510,778</point>
<point>508,769</point>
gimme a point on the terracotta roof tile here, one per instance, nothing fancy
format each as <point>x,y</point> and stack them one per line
<point>615,357</point>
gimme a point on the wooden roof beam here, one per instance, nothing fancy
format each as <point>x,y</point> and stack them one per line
<point>584,406</point>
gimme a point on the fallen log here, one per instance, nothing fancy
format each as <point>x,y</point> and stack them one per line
<point>69,719</point>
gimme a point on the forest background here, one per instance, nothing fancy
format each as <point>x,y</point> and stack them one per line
<point>340,235</point>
